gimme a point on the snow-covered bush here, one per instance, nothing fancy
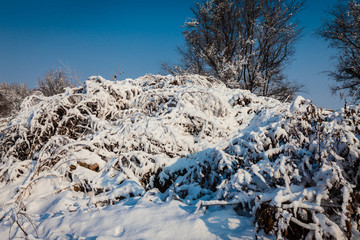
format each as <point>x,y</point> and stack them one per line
<point>299,171</point>
<point>54,82</point>
<point>108,139</point>
<point>295,168</point>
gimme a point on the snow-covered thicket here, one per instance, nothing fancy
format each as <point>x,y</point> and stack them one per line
<point>294,167</point>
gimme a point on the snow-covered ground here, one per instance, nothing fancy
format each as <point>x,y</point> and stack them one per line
<point>139,218</point>
<point>177,158</point>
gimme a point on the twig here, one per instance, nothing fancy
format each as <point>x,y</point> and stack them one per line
<point>31,222</point>
<point>303,225</point>
<point>304,205</point>
<point>17,222</point>
<point>116,75</point>
<point>201,204</point>
<point>68,68</point>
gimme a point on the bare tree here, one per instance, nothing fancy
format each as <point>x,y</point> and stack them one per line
<point>343,33</point>
<point>245,44</point>
<point>11,96</point>
<point>54,82</point>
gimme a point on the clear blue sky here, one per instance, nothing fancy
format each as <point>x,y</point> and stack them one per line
<point>98,37</point>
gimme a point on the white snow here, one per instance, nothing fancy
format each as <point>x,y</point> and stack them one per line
<point>139,218</point>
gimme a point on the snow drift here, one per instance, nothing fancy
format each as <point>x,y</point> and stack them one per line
<point>293,167</point>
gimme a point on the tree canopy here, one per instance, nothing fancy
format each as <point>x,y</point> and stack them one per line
<point>245,44</point>
<point>343,33</point>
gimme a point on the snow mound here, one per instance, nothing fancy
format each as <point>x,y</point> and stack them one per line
<point>294,167</point>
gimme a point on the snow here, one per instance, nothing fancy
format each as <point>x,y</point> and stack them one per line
<point>298,105</point>
<point>177,158</point>
<point>139,218</point>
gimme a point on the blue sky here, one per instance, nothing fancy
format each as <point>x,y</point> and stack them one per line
<point>98,37</point>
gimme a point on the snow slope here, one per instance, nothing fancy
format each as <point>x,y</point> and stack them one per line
<point>144,158</point>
